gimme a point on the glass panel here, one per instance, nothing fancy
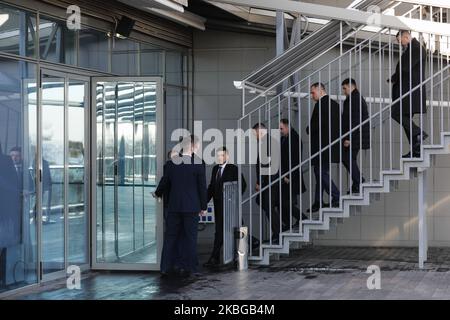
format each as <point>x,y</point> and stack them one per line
<point>124,57</point>
<point>149,167</point>
<point>126,137</point>
<point>56,42</point>
<point>125,108</point>
<point>94,50</point>
<point>17,31</point>
<point>77,200</point>
<point>53,179</point>
<point>106,150</point>
<point>174,68</point>
<point>18,251</point>
<point>174,112</point>
<point>151,60</point>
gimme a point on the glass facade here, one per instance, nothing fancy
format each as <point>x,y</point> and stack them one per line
<point>29,252</point>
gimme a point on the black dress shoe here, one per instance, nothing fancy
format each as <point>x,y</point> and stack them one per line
<point>335,204</point>
<point>212,262</point>
<point>316,206</point>
<point>415,154</point>
<point>418,141</point>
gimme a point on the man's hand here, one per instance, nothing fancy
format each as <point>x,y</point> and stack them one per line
<point>257,187</point>
<point>346,143</point>
<point>286,180</point>
<point>154,195</point>
<point>202,213</point>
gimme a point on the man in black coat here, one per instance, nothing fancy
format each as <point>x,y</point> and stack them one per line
<point>268,199</point>
<point>222,172</point>
<point>409,73</point>
<point>325,117</point>
<point>354,113</point>
<point>290,137</point>
<point>10,215</point>
<point>186,178</point>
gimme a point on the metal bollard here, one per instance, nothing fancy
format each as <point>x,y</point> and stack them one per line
<point>242,248</point>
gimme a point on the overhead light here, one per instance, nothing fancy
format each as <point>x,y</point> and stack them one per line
<point>238,84</point>
<point>171,5</point>
<point>3,18</point>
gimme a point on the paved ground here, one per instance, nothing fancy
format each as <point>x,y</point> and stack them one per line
<point>309,273</point>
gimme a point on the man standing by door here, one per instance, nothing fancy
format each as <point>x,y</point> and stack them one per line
<point>222,172</point>
<point>186,178</point>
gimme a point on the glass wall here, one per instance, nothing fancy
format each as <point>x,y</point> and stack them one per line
<point>18,254</point>
<point>64,238</point>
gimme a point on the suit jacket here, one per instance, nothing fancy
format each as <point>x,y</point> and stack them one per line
<point>326,116</point>
<point>412,58</point>
<point>187,185</point>
<point>10,215</point>
<point>215,187</point>
<point>358,113</point>
<point>295,159</point>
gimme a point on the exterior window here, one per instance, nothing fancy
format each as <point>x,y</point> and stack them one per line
<point>56,42</point>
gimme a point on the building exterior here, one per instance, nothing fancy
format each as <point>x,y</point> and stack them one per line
<point>86,119</point>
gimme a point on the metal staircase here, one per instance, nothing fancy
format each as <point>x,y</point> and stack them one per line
<point>369,63</point>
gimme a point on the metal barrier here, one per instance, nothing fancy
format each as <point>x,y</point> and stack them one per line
<point>230,219</point>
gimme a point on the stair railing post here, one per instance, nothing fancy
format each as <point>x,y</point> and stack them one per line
<point>422,221</point>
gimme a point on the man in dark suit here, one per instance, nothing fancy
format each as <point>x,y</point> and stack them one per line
<point>290,184</point>
<point>222,172</point>
<point>268,199</point>
<point>325,116</point>
<point>10,217</point>
<point>355,111</point>
<point>186,179</point>
<point>411,74</point>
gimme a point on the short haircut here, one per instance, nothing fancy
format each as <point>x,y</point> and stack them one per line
<point>318,84</point>
<point>349,81</point>
<point>224,149</point>
<point>259,125</point>
<point>16,149</point>
<point>189,141</point>
<point>284,121</point>
<point>401,32</point>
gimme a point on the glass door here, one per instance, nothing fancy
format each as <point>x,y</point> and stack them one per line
<point>62,160</point>
<point>128,150</point>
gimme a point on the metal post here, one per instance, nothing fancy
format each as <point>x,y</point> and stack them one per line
<point>423,238</point>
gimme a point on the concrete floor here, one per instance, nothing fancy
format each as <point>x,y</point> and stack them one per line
<point>308,273</point>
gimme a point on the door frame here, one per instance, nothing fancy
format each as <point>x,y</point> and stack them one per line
<point>67,76</point>
<point>160,151</point>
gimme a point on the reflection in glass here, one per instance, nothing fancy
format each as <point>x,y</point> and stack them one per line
<point>57,43</point>
<point>94,49</point>
<point>126,155</point>
<point>53,197</point>
<point>78,214</point>
<point>125,57</point>
<point>18,254</point>
<point>12,40</point>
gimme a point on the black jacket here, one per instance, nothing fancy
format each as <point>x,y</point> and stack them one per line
<point>296,144</point>
<point>163,188</point>
<point>326,116</point>
<point>215,188</point>
<point>186,181</point>
<point>357,113</point>
<point>10,215</point>
<point>418,55</point>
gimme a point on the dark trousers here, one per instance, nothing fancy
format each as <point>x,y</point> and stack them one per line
<point>325,184</point>
<point>181,230</point>
<point>353,164</point>
<point>288,197</point>
<point>408,125</point>
<point>2,267</point>
<point>218,236</point>
<point>177,256</point>
<point>269,202</point>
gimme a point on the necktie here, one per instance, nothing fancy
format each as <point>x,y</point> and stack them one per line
<point>219,173</point>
